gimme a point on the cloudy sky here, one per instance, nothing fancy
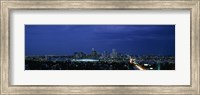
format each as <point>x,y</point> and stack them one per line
<point>129,39</point>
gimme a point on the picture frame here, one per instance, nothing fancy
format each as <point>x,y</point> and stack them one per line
<point>8,5</point>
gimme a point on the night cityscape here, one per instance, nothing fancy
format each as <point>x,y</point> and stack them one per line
<point>99,47</point>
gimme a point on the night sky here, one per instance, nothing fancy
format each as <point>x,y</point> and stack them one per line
<point>128,39</point>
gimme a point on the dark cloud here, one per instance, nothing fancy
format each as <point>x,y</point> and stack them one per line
<point>66,39</point>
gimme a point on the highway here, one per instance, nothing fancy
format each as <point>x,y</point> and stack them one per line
<point>138,67</point>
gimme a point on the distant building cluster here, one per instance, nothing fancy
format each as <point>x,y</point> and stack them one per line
<point>96,55</point>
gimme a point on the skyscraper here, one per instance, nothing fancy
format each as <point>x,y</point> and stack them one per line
<point>94,53</point>
<point>113,54</point>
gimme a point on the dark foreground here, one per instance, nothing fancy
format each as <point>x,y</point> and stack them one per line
<point>69,65</point>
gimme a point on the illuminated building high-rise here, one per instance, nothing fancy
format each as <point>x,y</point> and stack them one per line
<point>94,53</point>
<point>113,54</point>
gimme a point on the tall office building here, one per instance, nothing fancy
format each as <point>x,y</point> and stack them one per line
<point>113,54</point>
<point>94,53</point>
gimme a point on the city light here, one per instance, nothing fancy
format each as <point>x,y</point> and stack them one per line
<point>100,61</point>
<point>85,60</point>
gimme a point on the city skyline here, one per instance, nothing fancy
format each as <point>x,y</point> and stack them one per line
<point>127,39</point>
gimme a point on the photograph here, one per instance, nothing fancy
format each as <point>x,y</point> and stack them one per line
<point>99,47</point>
